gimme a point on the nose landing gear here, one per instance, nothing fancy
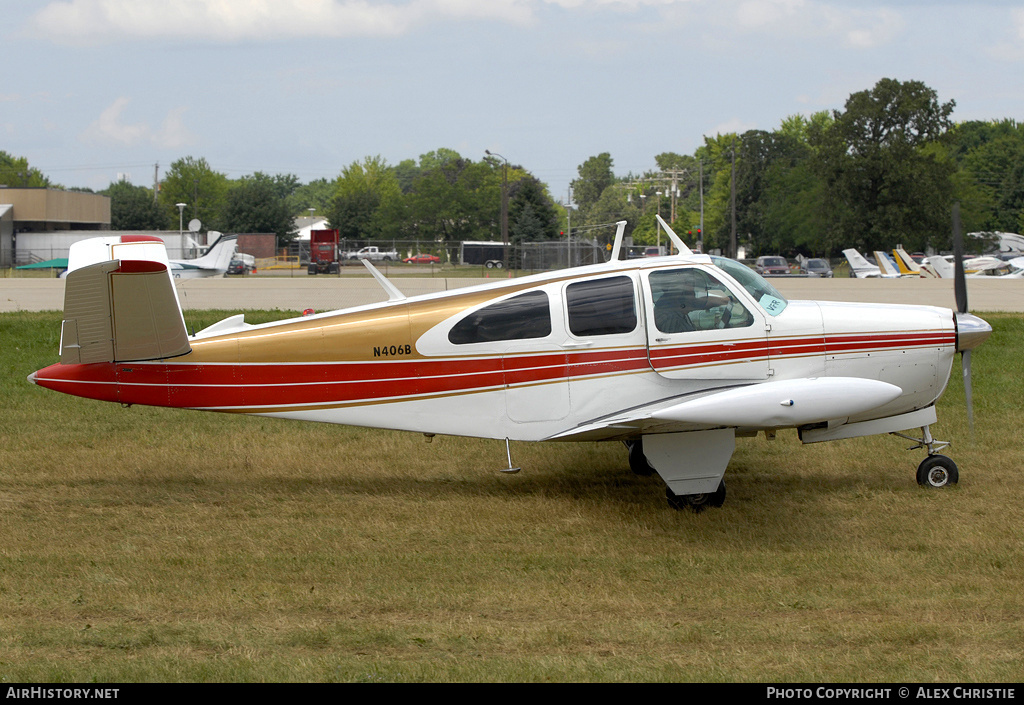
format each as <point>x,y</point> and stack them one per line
<point>935,470</point>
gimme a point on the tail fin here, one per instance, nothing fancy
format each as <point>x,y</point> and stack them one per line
<point>218,255</point>
<point>122,309</point>
<point>860,266</point>
<point>941,266</point>
<point>885,264</point>
<point>905,263</point>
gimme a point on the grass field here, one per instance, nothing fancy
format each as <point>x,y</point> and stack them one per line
<point>150,544</point>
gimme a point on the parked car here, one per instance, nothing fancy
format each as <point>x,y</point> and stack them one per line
<point>422,258</point>
<point>816,267</point>
<point>242,264</point>
<point>769,265</point>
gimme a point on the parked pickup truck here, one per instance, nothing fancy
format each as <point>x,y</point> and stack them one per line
<point>374,254</point>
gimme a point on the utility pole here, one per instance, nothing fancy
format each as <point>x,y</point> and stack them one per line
<point>732,200</point>
<point>504,202</point>
<point>700,239</point>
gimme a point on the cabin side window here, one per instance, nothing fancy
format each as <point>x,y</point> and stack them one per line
<point>601,307</point>
<point>517,318</point>
<point>690,300</point>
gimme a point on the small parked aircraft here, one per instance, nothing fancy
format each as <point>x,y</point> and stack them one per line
<point>887,266</point>
<point>908,267</point>
<point>213,263</point>
<point>981,267</point>
<point>675,356</point>
<point>861,268</point>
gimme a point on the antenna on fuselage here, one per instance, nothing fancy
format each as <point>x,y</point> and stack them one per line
<point>617,246</point>
<point>392,291</point>
<point>676,240</point>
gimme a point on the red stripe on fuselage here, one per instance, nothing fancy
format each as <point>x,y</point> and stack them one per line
<point>256,385</point>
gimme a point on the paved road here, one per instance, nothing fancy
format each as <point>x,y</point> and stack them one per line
<point>299,293</point>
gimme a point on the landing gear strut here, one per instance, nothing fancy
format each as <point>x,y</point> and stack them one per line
<point>935,470</point>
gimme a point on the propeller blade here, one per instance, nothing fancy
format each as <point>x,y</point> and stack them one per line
<point>959,278</point>
<point>965,357</point>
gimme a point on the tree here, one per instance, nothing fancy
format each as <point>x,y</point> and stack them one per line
<point>531,213</point>
<point>990,180</point>
<point>15,172</point>
<point>595,176</point>
<point>778,200</point>
<point>883,185</point>
<point>133,207</point>
<point>260,204</point>
<point>193,182</point>
<point>362,195</point>
<point>716,154</point>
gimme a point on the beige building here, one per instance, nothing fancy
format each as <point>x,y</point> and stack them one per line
<point>28,213</point>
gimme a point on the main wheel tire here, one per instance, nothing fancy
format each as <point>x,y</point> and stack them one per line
<point>638,461</point>
<point>937,471</point>
<point>696,503</point>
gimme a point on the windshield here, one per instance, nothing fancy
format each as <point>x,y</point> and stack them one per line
<point>764,293</point>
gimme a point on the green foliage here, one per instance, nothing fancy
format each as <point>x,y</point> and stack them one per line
<point>364,193</point>
<point>16,172</point>
<point>883,185</point>
<point>531,213</point>
<point>317,194</point>
<point>261,204</point>
<point>133,207</point>
<point>453,199</point>
<point>990,156</point>
<point>595,176</point>
<point>204,191</point>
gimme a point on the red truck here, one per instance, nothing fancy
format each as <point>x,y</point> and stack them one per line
<point>323,252</point>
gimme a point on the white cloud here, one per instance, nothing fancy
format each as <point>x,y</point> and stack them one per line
<point>733,125</point>
<point>237,20</point>
<point>110,129</point>
<point>1011,48</point>
<point>756,14</point>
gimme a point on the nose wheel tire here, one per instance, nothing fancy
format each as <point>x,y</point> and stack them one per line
<point>937,471</point>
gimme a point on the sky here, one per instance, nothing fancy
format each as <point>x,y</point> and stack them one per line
<point>95,90</point>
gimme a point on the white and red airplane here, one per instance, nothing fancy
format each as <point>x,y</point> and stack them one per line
<point>676,356</point>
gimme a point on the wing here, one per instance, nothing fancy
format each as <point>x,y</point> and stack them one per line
<point>777,404</point>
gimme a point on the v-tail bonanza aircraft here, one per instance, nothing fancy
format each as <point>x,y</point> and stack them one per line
<point>214,263</point>
<point>675,356</point>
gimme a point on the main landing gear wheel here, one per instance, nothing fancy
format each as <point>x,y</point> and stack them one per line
<point>937,471</point>
<point>637,460</point>
<point>696,502</point>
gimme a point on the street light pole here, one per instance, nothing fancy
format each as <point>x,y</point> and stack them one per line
<point>181,228</point>
<point>504,202</point>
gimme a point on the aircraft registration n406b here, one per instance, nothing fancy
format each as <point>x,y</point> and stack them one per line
<point>675,356</point>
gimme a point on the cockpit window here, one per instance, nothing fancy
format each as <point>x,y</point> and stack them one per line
<point>764,293</point>
<point>690,299</point>
<point>601,306</point>
<point>517,318</point>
